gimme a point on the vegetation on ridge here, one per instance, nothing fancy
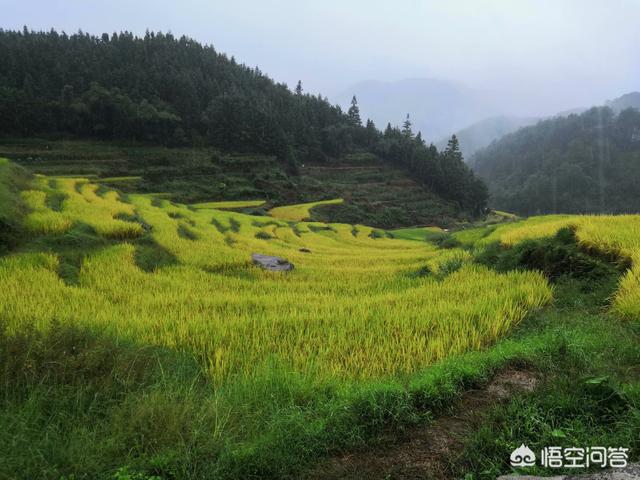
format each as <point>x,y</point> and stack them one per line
<point>177,92</point>
<point>586,163</point>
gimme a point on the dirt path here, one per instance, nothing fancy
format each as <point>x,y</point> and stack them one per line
<point>427,452</point>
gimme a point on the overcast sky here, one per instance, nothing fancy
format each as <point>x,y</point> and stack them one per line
<point>542,55</point>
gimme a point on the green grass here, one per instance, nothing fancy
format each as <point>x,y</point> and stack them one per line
<point>590,391</point>
<point>506,215</point>
<point>421,234</point>
<point>230,205</point>
<point>156,195</point>
<point>375,193</point>
<point>137,338</point>
<point>13,179</point>
<point>131,178</point>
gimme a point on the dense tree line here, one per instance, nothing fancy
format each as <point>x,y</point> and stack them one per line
<point>175,91</point>
<point>576,164</point>
<point>443,172</point>
<point>156,88</point>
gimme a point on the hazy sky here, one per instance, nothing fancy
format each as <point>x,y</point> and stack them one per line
<point>541,55</point>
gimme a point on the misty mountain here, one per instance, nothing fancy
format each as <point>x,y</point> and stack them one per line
<point>628,100</point>
<point>482,133</point>
<point>437,107</point>
<point>586,163</point>
<point>160,89</point>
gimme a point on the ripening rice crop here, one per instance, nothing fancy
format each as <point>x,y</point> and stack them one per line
<point>356,306</point>
<point>301,211</point>
<point>229,204</point>
<point>57,204</point>
<point>419,233</point>
<point>513,232</point>
<point>615,235</point>
<point>620,236</point>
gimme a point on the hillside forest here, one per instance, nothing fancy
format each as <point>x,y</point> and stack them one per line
<point>177,92</point>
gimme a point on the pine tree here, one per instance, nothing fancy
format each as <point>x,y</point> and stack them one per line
<point>372,133</point>
<point>406,128</point>
<point>299,88</point>
<point>453,149</point>
<point>354,112</point>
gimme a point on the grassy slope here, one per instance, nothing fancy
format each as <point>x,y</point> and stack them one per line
<point>12,180</point>
<point>590,394</point>
<point>586,355</point>
<point>375,193</point>
<point>97,409</point>
<point>301,211</point>
<point>230,205</point>
<point>419,233</point>
<point>106,363</point>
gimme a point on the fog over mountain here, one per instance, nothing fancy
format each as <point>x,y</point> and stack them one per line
<point>480,134</point>
<point>436,107</point>
<point>529,58</point>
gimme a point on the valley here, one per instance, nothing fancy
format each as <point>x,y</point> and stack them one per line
<point>208,273</point>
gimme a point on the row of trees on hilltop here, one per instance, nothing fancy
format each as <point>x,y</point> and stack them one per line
<point>587,163</point>
<point>443,172</point>
<point>156,88</point>
<point>175,91</point>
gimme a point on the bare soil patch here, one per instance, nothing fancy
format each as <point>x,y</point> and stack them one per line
<point>428,451</point>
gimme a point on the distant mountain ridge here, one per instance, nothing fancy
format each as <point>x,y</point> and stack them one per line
<point>482,133</point>
<point>159,89</point>
<point>436,107</point>
<point>579,163</point>
<point>628,100</point>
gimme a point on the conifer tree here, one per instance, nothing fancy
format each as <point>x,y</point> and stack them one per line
<point>406,128</point>
<point>354,112</point>
<point>389,130</point>
<point>453,149</point>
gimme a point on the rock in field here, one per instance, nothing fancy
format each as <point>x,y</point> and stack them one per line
<point>274,264</point>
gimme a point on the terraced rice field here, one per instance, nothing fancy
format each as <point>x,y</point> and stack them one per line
<point>256,371</point>
<point>355,306</point>
<point>300,212</point>
<point>233,204</point>
<point>124,179</point>
<point>615,235</point>
<point>419,233</point>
